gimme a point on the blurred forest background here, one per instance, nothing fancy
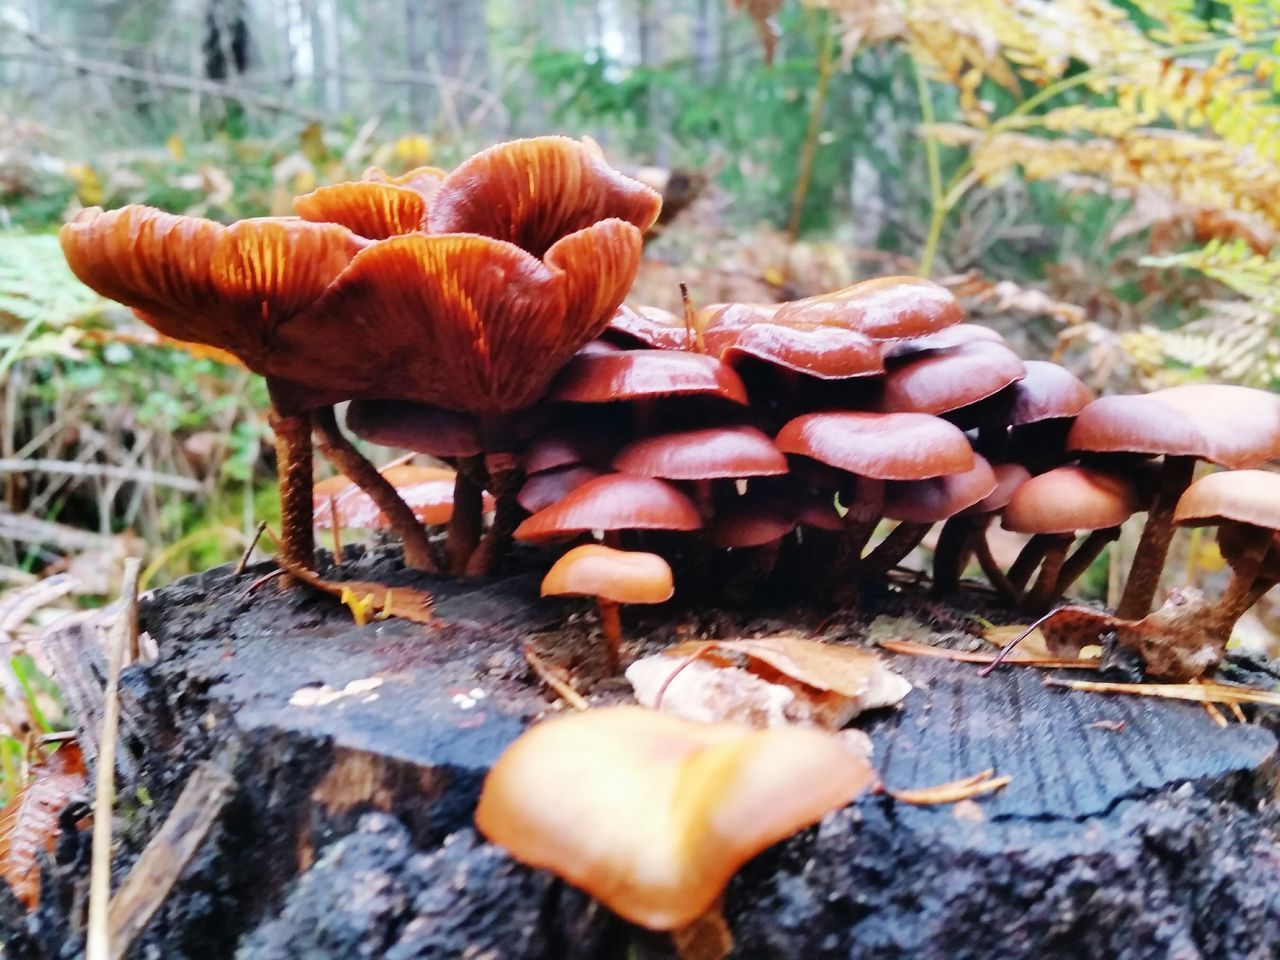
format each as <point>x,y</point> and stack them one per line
<point>1099,179</point>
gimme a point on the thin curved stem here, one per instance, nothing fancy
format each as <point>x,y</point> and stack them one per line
<point>351,463</point>
<point>1043,593</point>
<point>894,548</point>
<point>1082,559</point>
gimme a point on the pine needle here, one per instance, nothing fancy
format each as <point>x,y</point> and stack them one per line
<point>1195,692</point>
<point>912,649</point>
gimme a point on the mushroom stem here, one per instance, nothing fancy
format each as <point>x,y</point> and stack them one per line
<point>1241,591</point>
<point>1082,559</point>
<point>505,480</point>
<point>350,462</point>
<point>864,513</point>
<point>1028,560</point>
<point>467,520</point>
<point>1153,547</point>
<point>982,550</point>
<point>611,627</point>
<point>955,544</point>
<point>901,540</point>
<point>1042,594</point>
<point>293,469</point>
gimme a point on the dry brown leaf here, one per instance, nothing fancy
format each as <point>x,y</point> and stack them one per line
<point>29,821</point>
<point>1032,645</point>
<point>368,600</point>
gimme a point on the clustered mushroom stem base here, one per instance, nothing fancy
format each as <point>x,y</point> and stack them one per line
<point>1241,590</point>
<point>611,627</point>
<point>894,548</point>
<point>466,523</point>
<point>991,570</point>
<point>1153,547</point>
<point>1082,559</point>
<point>1028,560</point>
<point>505,478</point>
<point>351,463</point>
<point>293,469</point>
<point>865,508</point>
<point>955,544</point>
<point>1042,593</point>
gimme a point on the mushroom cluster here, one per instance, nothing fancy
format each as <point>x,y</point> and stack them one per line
<point>476,316</point>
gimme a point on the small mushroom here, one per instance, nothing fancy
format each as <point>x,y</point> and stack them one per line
<point>614,502</point>
<point>645,374</point>
<point>940,381</point>
<point>965,534</point>
<point>1245,506</point>
<point>613,577</point>
<point>1236,427</point>
<point>652,815</point>
<point>1054,507</point>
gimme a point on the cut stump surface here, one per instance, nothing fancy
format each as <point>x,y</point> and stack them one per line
<point>1132,828</point>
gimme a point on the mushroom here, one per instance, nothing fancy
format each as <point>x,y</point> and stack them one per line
<point>966,533</point>
<point>884,308</point>
<point>1054,507</point>
<point>1245,506</point>
<point>428,492</point>
<point>939,381</point>
<point>1236,427</point>
<point>614,502</point>
<point>662,811</point>
<point>549,487</point>
<point>875,447</point>
<point>613,577</point>
<point>641,374</point>
<point>919,504</point>
<point>230,287</point>
<point>528,251</point>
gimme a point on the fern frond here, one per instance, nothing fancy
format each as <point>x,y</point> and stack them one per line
<point>36,285</point>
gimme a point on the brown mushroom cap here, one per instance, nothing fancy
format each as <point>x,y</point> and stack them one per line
<point>938,381</point>
<point>815,350</point>
<point>1242,496</point>
<point>1236,427</point>
<point>956,336</point>
<point>655,328</point>
<point>551,486</point>
<point>618,501</point>
<point>1049,391</point>
<point>1009,477</point>
<point>633,374</point>
<point>414,426</point>
<point>703,455</point>
<point>1068,499</point>
<point>662,811</point>
<point>592,570</point>
<point>884,446</point>
<point>938,498</point>
<point>885,308</point>
<point>1234,541</point>
<point>566,447</point>
<point>752,521</point>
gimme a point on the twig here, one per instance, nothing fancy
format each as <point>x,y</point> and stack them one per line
<point>662,690</point>
<point>249,548</point>
<point>203,798</point>
<point>543,670</point>
<point>913,649</point>
<point>333,523</point>
<point>1212,710</point>
<point>966,788</point>
<point>124,636</point>
<point>1008,647</point>
<point>101,471</point>
<point>1196,693</point>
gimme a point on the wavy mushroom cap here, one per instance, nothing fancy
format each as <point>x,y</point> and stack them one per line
<point>617,501</point>
<point>367,208</point>
<point>423,180</point>
<point>1067,499</point>
<point>623,576</point>
<point>704,454</point>
<point>815,350</point>
<point>196,280</point>
<point>637,374</point>
<point>1240,496</point>
<point>883,446</point>
<point>939,498</point>
<point>1237,427</point>
<point>663,811</point>
<point>414,426</point>
<point>886,308</point>
<point>939,381</point>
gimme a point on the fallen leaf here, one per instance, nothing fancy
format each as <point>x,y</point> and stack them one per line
<point>1032,645</point>
<point>29,821</point>
<point>363,596</point>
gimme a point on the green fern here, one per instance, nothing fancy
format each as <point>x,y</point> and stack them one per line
<point>41,301</point>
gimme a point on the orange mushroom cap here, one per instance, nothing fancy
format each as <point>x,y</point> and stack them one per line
<point>623,576</point>
<point>1240,496</point>
<point>1237,427</point>
<point>1071,498</point>
<point>617,501</point>
<point>662,811</point>
<point>654,328</point>
<point>704,454</point>
<point>884,446</point>
<point>202,282</point>
<point>427,490</point>
<point>371,209</point>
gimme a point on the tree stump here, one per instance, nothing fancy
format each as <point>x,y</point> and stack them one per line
<point>1132,828</point>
